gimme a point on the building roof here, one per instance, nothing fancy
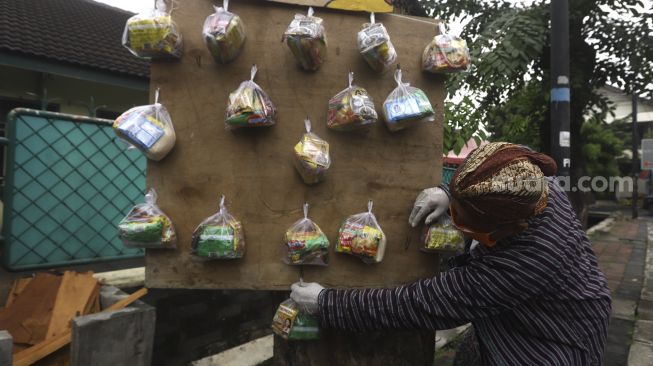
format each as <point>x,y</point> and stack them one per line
<point>78,32</point>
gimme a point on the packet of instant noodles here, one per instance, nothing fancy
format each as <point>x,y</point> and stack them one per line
<point>446,54</point>
<point>360,235</point>
<point>351,109</point>
<point>153,35</point>
<point>311,156</point>
<point>292,323</point>
<point>146,226</point>
<point>306,38</point>
<point>305,243</point>
<point>375,46</point>
<point>406,105</point>
<point>224,34</point>
<point>442,236</point>
<point>250,106</point>
<point>147,128</point>
<point>219,236</point>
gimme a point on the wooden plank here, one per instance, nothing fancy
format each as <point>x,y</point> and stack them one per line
<point>254,168</point>
<point>28,317</point>
<point>132,277</point>
<point>379,6</point>
<point>17,287</point>
<point>72,299</point>
<point>50,345</point>
<point>93,300</point>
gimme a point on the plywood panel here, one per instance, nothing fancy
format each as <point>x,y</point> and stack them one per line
<point>253,168</point>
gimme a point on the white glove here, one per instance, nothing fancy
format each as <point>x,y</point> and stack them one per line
<point>305,295</point>
<point>431,200</point>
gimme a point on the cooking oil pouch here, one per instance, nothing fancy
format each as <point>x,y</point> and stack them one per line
<point>311,156</point>
<point>219,236</point>
<point>249,106</point>
<point>360,235</point>
<point>224,34</point>
<point>352,108</point>
<point>153,35</point>
<point>146,226</point>
<point>306,38</point>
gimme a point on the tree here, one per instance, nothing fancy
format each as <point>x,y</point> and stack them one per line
<point>611,41</point>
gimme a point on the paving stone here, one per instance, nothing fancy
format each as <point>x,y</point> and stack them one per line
<point>640,354</point>
<point>644,331</point>
<point>645,310</point>
<point>623,309</point>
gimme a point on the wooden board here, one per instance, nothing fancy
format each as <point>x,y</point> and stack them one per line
<point>254,168</point>
<point>379,6</point>
<point>75,296</point>
<point>16,288</point>
<point>28,317</point>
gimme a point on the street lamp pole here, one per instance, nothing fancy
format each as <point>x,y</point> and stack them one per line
<point>560,90</point>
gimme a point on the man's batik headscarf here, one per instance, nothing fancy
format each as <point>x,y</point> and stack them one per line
<point>503,183</point>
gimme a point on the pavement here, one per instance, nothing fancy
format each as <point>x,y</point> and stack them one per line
<point>621,250</point>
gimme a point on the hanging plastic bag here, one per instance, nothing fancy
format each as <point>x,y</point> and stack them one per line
<point>446,54</point>
<point>350,109</point>
<point>305,243</point>
<point>153,35</point>
<point>311,156</point>
<point>146,226</point>
<point>250,106</point>
<point>224,34</point>
<point>292,323</point>
<point>219,236</point>
<point>306,38</point>
<point>406,105</point>
<point>148,128</point>
<point>442,236</point>
<point>375,46</point>
<point>360,235</point>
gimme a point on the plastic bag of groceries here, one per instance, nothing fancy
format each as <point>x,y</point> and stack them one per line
<point>148,128</point>
<point>406,105</point>
<point>250,106</point>
<point>375,46</point>
<point>360,235</point>
<point>305,243</point>
<point>351,109</point>
<point>306,38</point>
<point>292,323</point>
<point>146,226</point>
<point>311,156</point>
<point>219,236</point>
<point>153,35</point>
<point>224,34</point>
<point>442,236</point>
<point>446,54</point>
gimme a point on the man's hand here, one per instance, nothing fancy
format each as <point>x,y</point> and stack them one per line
<point>305,295</point>
<point>432,202</point>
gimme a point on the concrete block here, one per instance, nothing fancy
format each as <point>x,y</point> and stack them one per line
<point>123,337</point>
<point>6,347</point>
<point>640,354</point>
<point>645,310</point>
<point>623,309</point>
<point>644,331</point>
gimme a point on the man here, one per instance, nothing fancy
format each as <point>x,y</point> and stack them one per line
<point>530,284</point>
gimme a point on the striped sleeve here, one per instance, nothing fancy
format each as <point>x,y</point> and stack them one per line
<point>483,288</point>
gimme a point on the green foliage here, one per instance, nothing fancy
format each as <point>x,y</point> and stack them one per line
<point>601,147</point>
<point>463,119</point>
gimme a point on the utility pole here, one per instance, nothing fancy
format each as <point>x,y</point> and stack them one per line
<point>560,91</point>
<point>635,157</point>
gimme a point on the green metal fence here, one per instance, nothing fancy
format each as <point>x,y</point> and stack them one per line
<point>68,183</point>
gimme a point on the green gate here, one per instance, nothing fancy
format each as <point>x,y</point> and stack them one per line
<point>68,183</point>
